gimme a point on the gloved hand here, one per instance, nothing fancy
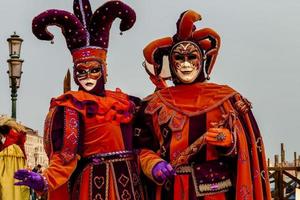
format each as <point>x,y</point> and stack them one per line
<point>219,137</point>
<point>161,171</point>
<point>31,179</point>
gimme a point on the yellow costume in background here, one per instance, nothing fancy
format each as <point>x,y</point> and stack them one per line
<point>12,158</point>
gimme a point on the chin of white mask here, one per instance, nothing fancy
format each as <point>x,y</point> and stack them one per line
<point>88,84</point>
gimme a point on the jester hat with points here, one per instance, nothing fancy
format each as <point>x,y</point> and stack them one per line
<point>207,40</point>
<point>86,33</point>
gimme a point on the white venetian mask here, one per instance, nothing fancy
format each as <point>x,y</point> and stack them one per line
<point>186,60</point>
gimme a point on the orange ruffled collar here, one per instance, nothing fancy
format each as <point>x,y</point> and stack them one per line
<point>115,106</point>
<point>192,99</point>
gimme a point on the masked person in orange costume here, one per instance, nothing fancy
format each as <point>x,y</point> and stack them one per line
<point>198,140</point>
<point>88,135</point>
<point>12,158</point>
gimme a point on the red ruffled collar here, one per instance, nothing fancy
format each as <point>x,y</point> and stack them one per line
<point>192,99</point>
<point>113,106</point>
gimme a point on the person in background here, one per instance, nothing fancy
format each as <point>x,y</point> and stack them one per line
<point>198,140</point>
<point>12,158</point>
<point>88,133</point>
<point>37,169</point>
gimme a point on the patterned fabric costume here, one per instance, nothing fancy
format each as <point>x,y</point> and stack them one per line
<point>98,129</point>
<point>173,118</point>
<point>88,133</point>
<point>12,158</point>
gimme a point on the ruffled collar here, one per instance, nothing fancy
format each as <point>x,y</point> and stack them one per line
<point>113,106</point>
<point>191,99</point>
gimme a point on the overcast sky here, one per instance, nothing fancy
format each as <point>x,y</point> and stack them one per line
<point>259,57</point>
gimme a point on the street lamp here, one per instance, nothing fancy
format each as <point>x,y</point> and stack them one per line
<point>14,69</point>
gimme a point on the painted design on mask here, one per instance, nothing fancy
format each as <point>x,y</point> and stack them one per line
<point>186,61</point>
<point>88,73</point>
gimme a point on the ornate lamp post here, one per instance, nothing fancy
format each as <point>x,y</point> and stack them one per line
<point>14,68</point>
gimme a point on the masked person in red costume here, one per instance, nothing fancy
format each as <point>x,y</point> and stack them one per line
<point>12,158</point>
<point>88,134</point>
<point>198,140</point>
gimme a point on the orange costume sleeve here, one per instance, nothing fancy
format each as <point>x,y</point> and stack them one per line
<point>251,162</point>
<point>148,160</point>
<point>58,172</point>
<point>147,143</point>
<point>252,181</point>
<point>61,144</point>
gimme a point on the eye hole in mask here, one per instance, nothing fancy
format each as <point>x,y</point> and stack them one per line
<point>93,73</point>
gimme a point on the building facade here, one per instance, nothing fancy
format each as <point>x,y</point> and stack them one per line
<point>34,148</point>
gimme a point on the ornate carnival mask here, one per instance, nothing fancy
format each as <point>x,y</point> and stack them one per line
<point>186,61</point>
<point>88,73</point>
<point>191,53</point>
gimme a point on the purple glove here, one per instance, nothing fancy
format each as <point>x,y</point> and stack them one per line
<point>31,179</point>
<point>162,170</point>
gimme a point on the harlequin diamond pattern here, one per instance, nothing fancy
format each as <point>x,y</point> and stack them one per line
<point>123,180</point>
<point>135,179</point>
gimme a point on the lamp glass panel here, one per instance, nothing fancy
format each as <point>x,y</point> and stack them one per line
<point>14,82</point>
<point>15,47</point>
<point>18,82</point>
<point>15,68</point>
